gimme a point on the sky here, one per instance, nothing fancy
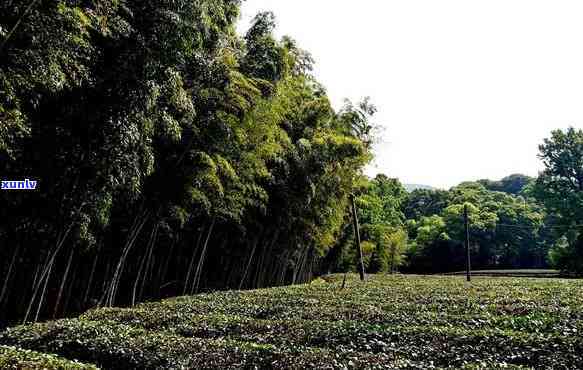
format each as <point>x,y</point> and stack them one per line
<point>465,89</point>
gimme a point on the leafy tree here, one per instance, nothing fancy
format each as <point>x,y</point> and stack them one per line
<point>430,247</point>
<point>560,188</point>
<point>505,231</point>
<point>425,203</point>
<point>513,184</point>
<point>381,219</point>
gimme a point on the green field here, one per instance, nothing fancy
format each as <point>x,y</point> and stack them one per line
<point>387,322</point>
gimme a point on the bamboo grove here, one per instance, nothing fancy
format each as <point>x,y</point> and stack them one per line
<point>172,155</point>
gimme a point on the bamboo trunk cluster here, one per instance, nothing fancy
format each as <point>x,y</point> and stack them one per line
<point>149,265</point>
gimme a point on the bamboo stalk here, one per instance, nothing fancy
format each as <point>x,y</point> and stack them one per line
<point>65,275</point>
<point>202,257</point>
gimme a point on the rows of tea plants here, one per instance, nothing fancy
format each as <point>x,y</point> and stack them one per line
<point>17,358</point>
<point>386,322</point>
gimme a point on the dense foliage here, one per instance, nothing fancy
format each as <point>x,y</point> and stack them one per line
<point>382,229</point>
<point>560,188</point>
<point>423,231</point>
<point>17,358</point>
<point>387,322</point>
<point>518,222</point>
<point>506,231</point>
<point>171,154</point>
<point>513,184</point>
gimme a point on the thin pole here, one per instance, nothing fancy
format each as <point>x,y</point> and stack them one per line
<point>467,243</point>
<point>357,237</point>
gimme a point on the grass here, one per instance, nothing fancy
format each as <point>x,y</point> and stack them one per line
<point>387,322</point>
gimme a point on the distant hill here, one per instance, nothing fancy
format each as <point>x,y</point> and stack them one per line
<point>411,187</point>
<point>513,184</point>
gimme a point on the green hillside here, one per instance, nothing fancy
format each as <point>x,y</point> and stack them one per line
<point>387,322</point>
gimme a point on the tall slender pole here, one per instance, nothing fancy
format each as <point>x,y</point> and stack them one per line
<point>357,238</point>
<point>467,243</point>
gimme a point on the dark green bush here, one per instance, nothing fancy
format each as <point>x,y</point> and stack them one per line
<point>18,358</point>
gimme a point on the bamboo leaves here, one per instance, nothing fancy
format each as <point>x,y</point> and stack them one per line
<point>172,155</point>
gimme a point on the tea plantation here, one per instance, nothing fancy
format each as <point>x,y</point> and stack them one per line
<point>386,322</point>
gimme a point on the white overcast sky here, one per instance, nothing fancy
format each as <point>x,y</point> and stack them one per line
<point>465,89</point>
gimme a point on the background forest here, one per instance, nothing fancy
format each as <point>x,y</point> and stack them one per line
<point>518,222</point>
<point>173,155</point>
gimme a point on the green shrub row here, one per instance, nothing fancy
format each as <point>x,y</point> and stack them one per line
<point>422,322</point>
<point>18,358</point>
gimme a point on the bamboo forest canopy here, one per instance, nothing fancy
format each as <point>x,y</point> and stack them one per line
<point>171,154</point>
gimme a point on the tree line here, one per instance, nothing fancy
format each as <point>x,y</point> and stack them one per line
<point>518,222</point>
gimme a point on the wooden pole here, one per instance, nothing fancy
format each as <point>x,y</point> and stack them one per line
<point>467,243</point>
<point>357,238</point>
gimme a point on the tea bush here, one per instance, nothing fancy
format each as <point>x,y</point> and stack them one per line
<point>389,321</point>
